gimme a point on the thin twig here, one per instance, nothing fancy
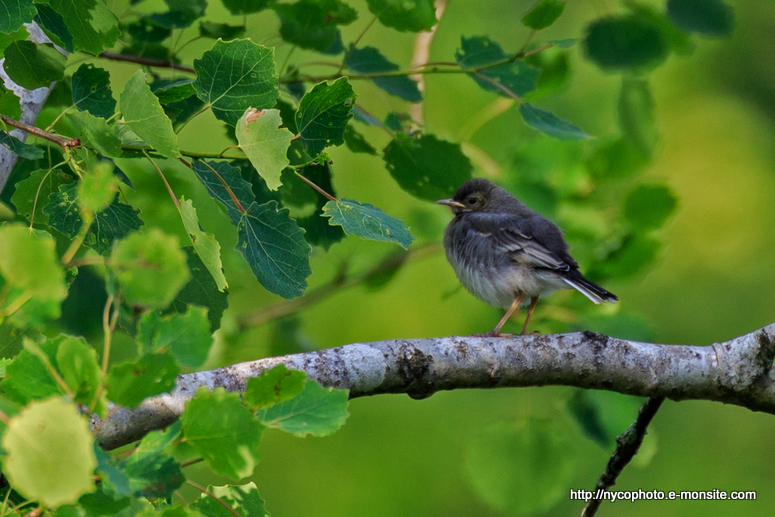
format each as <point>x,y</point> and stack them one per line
<point>627,445</point>
<point>218,499</point>
<point>147,61</point>
<point>108,331</point>
<point>226,186</point>
<point>320,190</point>
<point>340,282</point>
<point>62,142</point>
<point>164,179</point>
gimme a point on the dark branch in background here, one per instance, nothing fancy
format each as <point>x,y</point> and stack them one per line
<point>735,372</point>
<point>340,282</point>
<point>62,142</point>
<point>627,446</point>
<point>147,61</point>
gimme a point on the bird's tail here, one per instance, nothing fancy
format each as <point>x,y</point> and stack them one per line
<point>591,290</point>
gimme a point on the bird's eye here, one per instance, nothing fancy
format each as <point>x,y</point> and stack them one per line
<point>472,200</point>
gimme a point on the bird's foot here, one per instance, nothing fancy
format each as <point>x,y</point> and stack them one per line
<point>534,333</point>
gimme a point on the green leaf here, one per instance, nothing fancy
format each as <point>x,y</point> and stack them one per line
<point>207,247</point>
<point>555,72</point>
<point>323,114</point>
<point>617,159</point>
<point>649,206</point>
<point>93,25</point>
<point>274,386</point>
<point>246,6</point>
<point>15,13</point>
<point>32,66</point>
<point>317,411</point>
<point>550,124</point>
<point>54,26</point>
<point>626,42</point>
<point>522,468</point>
<point>201,291</point>
<point>115,222</point>
<point>186,336</point>
<point>144,31</point>
<point>234,76</point>
<point>18,147</point>
<point>712,18</point>
<point>244,500</point>
<point>563,43</point>
<point>91,91</point>
<point>9,103</point>
<point>412,16</point>
<point>629,257</point>
<point>274,246</point>
<point>77,363</point>
<point>50,453</point>
<point>265,143</point>
<point>29,376</point>
<point>480,51</point>
<point>269,239</point>
<point>145,116</point>
<point>223,431</point>
<point>427,167</point>
<point>223,31</point>
<point>31,194</point>
<point>356,142</point>
<point>181,13</point>
<point>636,115</point>
<point>544,14</point>
<point>174,91</point>
<point>131,382</point>
<point>150,268</point>
<point>369,60</point>
<point>31,269</point>
<point>95,133</point>
<point>311,24</point>
<point>150,472</point>
<point>368,221</point>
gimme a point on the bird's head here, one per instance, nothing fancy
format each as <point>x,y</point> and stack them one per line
<point>478,195</point>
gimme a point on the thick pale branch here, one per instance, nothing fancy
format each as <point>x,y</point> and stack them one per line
<point>735,372</point>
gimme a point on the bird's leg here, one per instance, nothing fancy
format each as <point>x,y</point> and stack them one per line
<point>533,302</point>
<point>496,332</point>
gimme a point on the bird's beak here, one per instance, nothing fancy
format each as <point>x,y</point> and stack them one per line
<point>450,203</point>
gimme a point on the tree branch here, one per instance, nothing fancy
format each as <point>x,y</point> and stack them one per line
<point>31,102</point>
<point>735,372</point>
<point>147,61</point>
<point>627,445</point>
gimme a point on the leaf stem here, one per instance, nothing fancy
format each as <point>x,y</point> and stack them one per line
<point>164,179</point>
<point>190,154</point>
<point>108,326</point>
<point>320,190</point>
<point>218,499</point>
<point>64,143</point>
<point>354,44</point>
<point>76,244</point>
<point>226,186</point>
<point>287,58</point>
<point>501,87</point>
<point>524,47</point>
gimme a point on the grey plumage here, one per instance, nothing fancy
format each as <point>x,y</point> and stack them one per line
<point>501,249</point>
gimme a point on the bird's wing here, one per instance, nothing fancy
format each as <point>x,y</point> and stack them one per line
<point>515,235</point>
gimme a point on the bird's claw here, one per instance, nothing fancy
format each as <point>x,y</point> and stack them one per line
<point>492,334</point>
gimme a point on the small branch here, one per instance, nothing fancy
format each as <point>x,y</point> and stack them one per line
<point>147,61</point>
<point>734,372</point>
<point>521,52</point>
<point>627,446</point>
<point>320,190</point>
<point>64,143</point>
<point>190,154</point>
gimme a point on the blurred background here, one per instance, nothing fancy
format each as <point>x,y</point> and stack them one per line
<point>710,276</point>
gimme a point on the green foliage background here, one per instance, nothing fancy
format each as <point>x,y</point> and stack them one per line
<point>713,278</point>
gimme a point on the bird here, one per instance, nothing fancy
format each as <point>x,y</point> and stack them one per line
<point>504,252</point>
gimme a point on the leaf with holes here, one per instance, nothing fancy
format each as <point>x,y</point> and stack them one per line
<point>91,91</point>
